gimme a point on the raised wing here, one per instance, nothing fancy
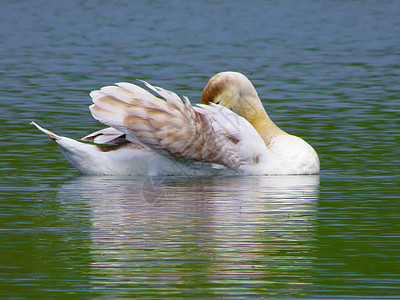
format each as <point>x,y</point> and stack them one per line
<point>168,126</point>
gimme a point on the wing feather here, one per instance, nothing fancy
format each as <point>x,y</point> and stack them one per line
<point>168,126</point>
<point>169,96</point>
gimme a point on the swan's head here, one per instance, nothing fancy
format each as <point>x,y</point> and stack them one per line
<point>232,90</point>
<point>235,91</point>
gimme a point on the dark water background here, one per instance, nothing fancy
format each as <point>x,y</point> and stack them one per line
<point>328,71</point>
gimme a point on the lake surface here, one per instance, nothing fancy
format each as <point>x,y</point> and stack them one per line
<point>328,71</point>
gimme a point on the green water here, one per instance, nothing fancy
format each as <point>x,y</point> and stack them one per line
<point>328,71</point>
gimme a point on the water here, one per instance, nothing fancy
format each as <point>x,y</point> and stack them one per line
<point>328,71</point>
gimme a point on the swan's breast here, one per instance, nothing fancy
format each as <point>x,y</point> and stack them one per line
<point>294,154</point>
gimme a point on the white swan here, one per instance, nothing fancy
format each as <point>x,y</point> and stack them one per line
<point>153,136</point>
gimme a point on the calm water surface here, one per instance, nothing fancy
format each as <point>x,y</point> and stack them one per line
<point>327,71</point>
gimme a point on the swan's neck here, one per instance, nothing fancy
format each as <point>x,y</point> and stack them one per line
<point>254,112</point>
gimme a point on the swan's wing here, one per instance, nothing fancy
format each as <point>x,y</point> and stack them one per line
<point>106,136</point>
<point>248,141</point>
<point>110,138</point>
<point>228,122</point>
<point>169,127</point>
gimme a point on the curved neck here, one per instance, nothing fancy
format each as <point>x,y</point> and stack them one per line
<point>253,111</point>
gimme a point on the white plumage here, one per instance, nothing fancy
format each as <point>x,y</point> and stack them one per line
<point>168,136</point>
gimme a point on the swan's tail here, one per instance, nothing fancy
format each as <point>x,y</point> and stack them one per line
<point>89,158</point>
<point>50,134</point>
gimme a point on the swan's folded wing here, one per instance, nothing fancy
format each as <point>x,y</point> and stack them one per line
<point>111,138</point>
<point>107,135</point>
<point>249,143</point>
<point>169,127</point>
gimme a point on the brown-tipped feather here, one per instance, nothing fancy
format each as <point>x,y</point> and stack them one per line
<point>169,128</point>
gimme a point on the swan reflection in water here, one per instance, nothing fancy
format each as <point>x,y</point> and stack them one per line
<point>253,232</point>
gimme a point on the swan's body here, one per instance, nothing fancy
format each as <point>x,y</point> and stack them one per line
<point>130,158</point>
<point>235,91</point>
<point>153,136</point>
